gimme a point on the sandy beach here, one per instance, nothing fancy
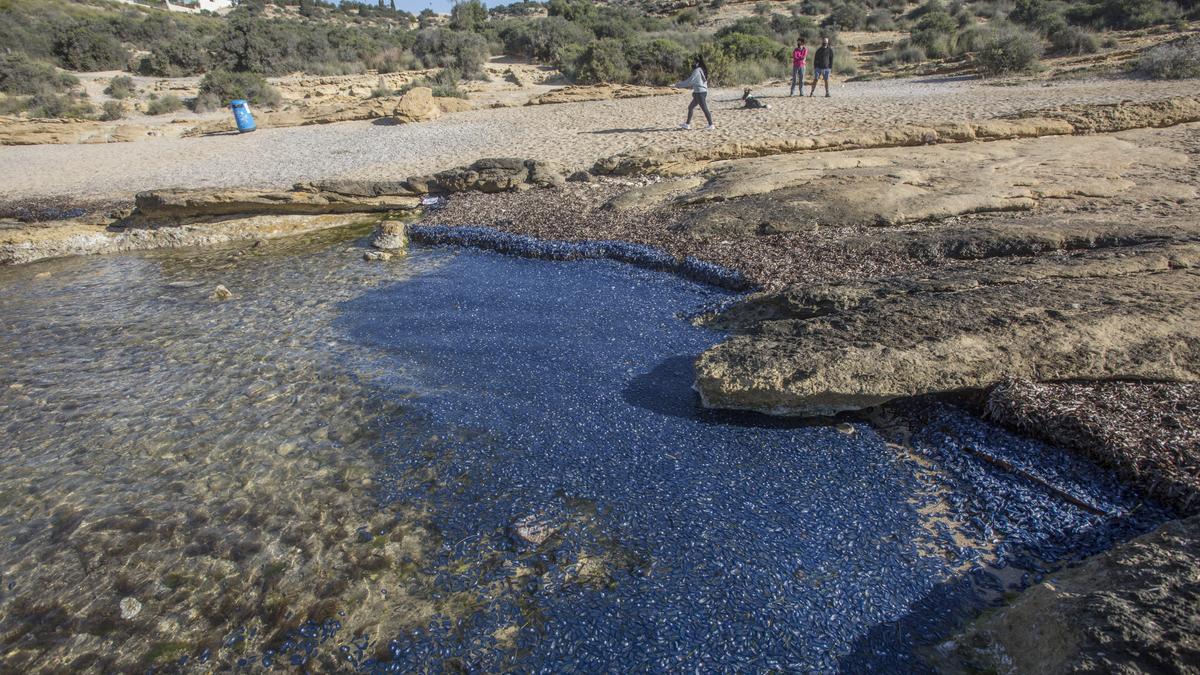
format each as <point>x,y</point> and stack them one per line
<point>575,135</point>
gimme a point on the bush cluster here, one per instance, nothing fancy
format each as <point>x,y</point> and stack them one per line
<point>164,104</point>
<point>223,87</point>
<point>1009,50</point>
<point>1173,61</point>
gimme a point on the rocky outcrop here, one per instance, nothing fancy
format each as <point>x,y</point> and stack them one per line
<point>18,131</point>
<point>1134,609</point>
<point>29,242</point>
<point>489,175</point>
<point>825,349</point>
<point>416,105</point>
<point>599,92</point>
<point>204,203</point>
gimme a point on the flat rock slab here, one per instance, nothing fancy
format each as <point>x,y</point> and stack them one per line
<point>825,349</point>
<point>891,186</point>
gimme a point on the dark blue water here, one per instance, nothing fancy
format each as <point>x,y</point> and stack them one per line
<point>559,393</point>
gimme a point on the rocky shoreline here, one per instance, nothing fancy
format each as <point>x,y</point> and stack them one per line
<point>886,273</point>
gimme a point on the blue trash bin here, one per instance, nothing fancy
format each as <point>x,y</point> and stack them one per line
<point>241,113</point>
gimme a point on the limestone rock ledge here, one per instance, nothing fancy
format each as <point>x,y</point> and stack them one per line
<point>194,203</point>
<point>29,242</point>
<point>826,349</point>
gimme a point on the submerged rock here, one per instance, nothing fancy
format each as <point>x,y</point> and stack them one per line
<point>130,608</point>
<point>222,293</point>
<point>390,236</point>
<point>376,256</point>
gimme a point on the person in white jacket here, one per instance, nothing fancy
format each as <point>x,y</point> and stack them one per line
<point>698,83</point>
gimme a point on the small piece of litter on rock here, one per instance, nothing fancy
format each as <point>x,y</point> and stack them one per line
<point>846,428</point>
<point>222,293</point>
<point>130,608</point>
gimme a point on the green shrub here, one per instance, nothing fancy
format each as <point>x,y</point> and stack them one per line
<point>880,20</point>
<point>175,58</point>
<point>21,75</point>
<point>1009,50</point>
<point>571,10</point>
<point>227,86</point>
<point>113,111</point>
<point>81,47</point>
<point>164,104</point>
<point>970,39</point>
<point>743,47</point>
<point>120,86</point>
<point>50,105</point>
<point>934,32</point>
<point>753,25</point>
<point>843,62</point>
<point>1074,40</point>
<point>1122,13</point>
<point>846,16</point>
<point>658,61</point>
<point>904,52</point>
<point>469,15</point>
<point>465,52</point>
<point>602,61</point>
<point>1035,13</point>
<point>444,84</point>
<point>206,103</point>
<point>1172,61</point>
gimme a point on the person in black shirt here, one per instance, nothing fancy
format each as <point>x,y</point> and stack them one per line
<point>822,66</point>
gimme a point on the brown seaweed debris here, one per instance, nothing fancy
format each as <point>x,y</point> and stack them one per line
<point>576,212</point>
<point>1148,432</point>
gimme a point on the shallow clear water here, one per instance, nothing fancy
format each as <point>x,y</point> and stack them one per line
<point>461,459</point>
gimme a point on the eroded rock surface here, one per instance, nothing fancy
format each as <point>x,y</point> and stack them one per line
<point>825,349</point>
<point>892,186</point>
<point>199,203</point>
<point>1134,609</point>
<point>1063,121</point>
<point>599,92</point>
<point>29,242</point>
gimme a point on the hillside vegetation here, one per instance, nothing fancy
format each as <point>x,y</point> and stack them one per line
<point>625,42</point>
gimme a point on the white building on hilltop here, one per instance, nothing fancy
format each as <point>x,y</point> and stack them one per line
<point>217,6</point>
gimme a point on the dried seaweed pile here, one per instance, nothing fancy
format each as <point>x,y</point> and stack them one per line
<point>1149,432</point>
<point>575,213</point>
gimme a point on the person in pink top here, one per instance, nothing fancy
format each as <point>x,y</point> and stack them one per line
<point>799,60</point>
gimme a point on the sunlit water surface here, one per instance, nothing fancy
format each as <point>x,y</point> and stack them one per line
<point>459,460</point>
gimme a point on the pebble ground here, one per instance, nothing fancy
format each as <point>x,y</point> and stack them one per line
<point>573,134</point>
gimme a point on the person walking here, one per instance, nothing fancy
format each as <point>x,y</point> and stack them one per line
<point>698,83</point>
<point>822,66</point>
<point>799,59</point>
